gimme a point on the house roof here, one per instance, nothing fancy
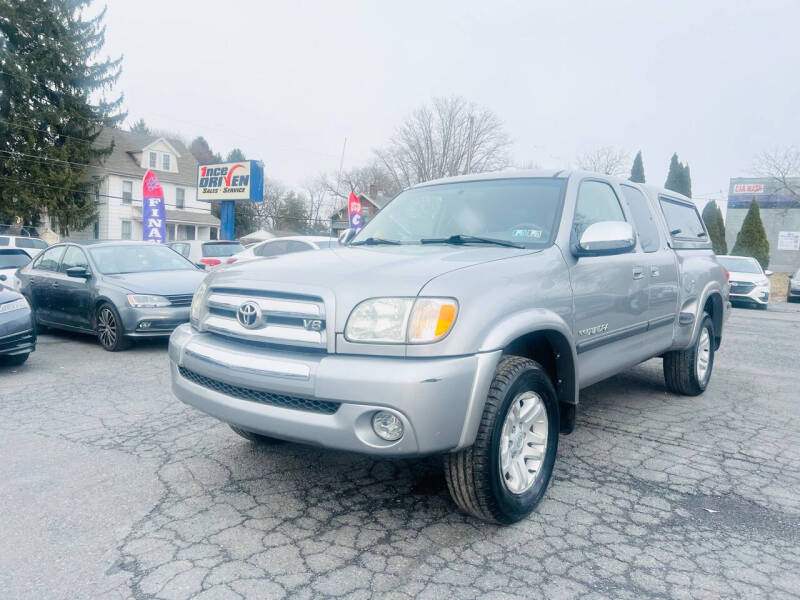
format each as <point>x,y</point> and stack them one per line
<point>122,160</point>
<point>186,216</point>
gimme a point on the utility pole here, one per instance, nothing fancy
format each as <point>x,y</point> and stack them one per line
<point>341,164</point>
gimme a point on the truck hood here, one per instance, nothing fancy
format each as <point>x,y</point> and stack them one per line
<point>350,275</point>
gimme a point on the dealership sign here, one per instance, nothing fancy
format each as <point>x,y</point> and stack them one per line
<point>241,180</point>
<point>748,188</point>
<point>789,240</point>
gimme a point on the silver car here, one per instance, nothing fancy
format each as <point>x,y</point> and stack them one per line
<point>462,320</point>
<point>750,283</point>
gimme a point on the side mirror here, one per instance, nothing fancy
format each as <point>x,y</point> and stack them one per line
<point>78,272</point>
<point>3,277</point>
<point>606,237</point>
<point>347,235</point>
<point>200,266</point>
<point>768,273</point>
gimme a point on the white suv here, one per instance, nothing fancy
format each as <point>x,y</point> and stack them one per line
<point>31,245</point>
<point>749,282</point>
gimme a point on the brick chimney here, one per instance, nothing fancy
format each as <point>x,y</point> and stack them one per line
<point>373,191</point>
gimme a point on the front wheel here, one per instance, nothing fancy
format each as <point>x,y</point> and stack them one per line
<point>504,475</point>
<point>109,329</point>
<point>688,371</point>
<point>14,360</point>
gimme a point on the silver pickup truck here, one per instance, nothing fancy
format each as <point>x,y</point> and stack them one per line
<point>462,320</point>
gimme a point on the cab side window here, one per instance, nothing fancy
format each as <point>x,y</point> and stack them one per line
<point>596,202</point>
<point>73,257</point>
<point>642,217</point>
<point>49,259</point>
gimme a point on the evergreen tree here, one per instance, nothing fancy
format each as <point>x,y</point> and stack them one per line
<point>292,213</point>
<point>679,179</point>
<point>637,171</point>
<point>235,155</point>
<point>48,122</point>
<point>712,217</point>
<point>140,127</point>
<point>202,151</point>
<point>752,238</point>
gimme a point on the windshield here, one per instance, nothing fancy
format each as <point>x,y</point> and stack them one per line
<point>221,248</point>
<point>523,211</point>
<point>740,265</point>
<point>12,259</point>
<point>113,260</point>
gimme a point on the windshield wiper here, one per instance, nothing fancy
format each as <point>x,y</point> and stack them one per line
<point>470,239</point>
<point>375,241</point>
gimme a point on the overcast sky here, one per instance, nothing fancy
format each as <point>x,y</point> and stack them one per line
<point>715,81</point>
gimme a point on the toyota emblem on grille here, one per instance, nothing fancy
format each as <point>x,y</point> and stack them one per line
<point>249,315</point>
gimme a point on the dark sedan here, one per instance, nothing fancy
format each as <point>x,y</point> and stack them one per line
<point>118,290</point>
<point>17,332</point>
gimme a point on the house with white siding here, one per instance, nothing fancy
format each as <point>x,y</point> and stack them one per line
<point>118,195</point>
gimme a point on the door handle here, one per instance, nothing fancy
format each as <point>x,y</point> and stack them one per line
<point>54,284</point>
<point>638,272</point>
<point>654,272</point>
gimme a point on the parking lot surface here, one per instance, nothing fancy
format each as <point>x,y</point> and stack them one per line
<point>111,488</point>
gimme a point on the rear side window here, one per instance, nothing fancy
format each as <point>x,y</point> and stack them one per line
<point>31,243</point>
<point>182,249</point>
<point>683,220</point>
<point>642,218</point>
<point>271,249</point>
<point>216,249</point>
<point>596,202</point>
<point>13,259</point>
<point>4,241</point>
<point>295,246</point>
<point>49,259</point>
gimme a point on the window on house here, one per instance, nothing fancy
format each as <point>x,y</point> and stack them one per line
<point>212,234</point>
<point>153,160</point>
<point>165,159</point>
<point>126,230</point>
<point>127,192</point>
<point>180,194</point>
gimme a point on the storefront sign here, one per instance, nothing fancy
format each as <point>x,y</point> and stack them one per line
<point>154,219</point>
<point>789,240</point>
<point>748,188</point>
<point>242,180</point>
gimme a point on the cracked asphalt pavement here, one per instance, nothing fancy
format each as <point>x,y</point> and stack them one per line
<point>111,488</point>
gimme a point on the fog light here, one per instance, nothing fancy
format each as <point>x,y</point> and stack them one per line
<point>144,325</point>
<point>387,426</point>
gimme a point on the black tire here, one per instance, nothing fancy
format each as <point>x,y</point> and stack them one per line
<point>109,329</point>
<point>256,438</point>
<point>680,366</point>
<point>474,476</point>
<point>762,307</point>
<point>14,360</point>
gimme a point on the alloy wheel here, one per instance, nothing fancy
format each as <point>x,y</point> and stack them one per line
<point>107,327</point>
<point>523,442</point>
<point>703,355</point>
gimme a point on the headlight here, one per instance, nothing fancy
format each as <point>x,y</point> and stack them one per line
<point>401,320</point>
<point>18,304</point>
<point>147,301</point>
<point>197,303</point>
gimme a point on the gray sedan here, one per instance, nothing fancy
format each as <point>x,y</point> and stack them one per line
<point>17,333</point>
<point>118,290</point>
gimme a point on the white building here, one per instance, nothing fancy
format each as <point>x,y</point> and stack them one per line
<point>119,193</point>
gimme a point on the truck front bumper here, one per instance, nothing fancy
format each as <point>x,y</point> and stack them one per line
<point>329,399</point>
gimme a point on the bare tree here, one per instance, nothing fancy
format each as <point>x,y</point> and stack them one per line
<point>781,166</point>
<point>607,160</point>
<point>450,137</point>
<point>267,210</point>
<point>319,204</point>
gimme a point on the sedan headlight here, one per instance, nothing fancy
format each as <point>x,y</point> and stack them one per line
<point>197,303</point>
<point>401,320</point>
<point>147,301</point>
<point>18,304</point>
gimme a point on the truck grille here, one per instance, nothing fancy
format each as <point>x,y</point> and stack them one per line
<point>274,318</point>
<point>742,287</point>
<point>294,402</point>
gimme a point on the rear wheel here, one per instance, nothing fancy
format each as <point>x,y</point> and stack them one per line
<point>109,329</point>
<point>256,438</point>
<point>688,371</point>
<point>504,475</point>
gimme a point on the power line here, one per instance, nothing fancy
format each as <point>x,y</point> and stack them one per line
<point>175,206</point>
